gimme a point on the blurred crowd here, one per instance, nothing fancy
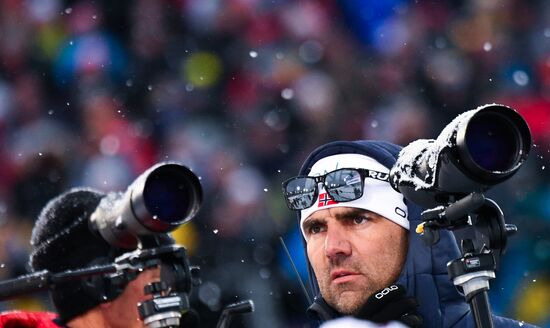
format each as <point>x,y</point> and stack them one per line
<point>94,92</point>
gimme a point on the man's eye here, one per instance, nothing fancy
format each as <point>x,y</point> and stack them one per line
<point>360,219</point>
<point>315,229</point>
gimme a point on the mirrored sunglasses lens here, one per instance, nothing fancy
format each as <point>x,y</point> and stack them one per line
<point>299,193</point>
<point>344,185</point>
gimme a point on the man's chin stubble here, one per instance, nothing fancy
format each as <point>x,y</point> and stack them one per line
<point>349,302</point>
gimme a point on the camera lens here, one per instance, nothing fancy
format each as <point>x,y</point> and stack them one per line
<point>161,199</point>
<point>477,150</point>
<point>493,142</point>
<point>170,195</point>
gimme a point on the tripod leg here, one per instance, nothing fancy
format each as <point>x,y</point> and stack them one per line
<point>479,304</point>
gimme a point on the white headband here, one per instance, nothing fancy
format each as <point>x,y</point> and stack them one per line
<point>378,196</point>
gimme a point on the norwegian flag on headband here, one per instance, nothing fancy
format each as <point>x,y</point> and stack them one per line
<point>324,200</point>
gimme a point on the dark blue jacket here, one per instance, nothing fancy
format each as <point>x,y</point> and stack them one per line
<point>424,274</point>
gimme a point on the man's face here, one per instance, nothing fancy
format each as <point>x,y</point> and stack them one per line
<point>354,253</point>
<point>122,311</point>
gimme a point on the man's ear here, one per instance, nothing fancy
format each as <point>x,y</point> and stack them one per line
<point>105,305</point>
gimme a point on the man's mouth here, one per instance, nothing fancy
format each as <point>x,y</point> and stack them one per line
<point>340,276</point>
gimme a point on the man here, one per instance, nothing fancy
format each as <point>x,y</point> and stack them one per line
<point>61,240</point>
<point>365,258</point>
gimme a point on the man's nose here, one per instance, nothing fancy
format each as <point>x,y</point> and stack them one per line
<point>336,242</point>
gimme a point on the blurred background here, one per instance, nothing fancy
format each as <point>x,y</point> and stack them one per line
<point>94,92</point>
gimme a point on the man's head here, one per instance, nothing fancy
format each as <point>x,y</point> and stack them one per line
<point>61,240</point>
<point>356,227</point>
<point>353,252</point>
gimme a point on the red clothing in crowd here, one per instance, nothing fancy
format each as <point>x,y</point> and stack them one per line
<point>20,319</point>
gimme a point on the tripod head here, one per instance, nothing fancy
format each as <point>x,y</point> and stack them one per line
<point>483,237</point>
<point>478,218</point>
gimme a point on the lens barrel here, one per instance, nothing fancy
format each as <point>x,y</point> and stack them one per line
<point>161,199</point>
<point>477,150</point>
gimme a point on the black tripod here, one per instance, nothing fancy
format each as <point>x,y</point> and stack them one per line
<point>480,223</point>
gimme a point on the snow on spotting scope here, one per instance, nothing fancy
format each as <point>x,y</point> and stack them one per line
<point>477,150</point>
<point>161,199</point>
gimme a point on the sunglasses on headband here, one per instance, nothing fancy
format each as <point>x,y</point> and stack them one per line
<point>342,185</point>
